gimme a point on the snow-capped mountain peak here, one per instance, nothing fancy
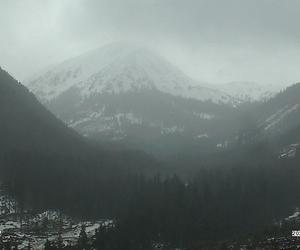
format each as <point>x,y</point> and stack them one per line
<point>119,68</point>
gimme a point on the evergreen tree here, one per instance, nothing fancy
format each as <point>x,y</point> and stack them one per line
<point>223,246</point>
<point>47,245</point>
<point>60,243</point>
<point>83,239</point>
<point>7,245</point>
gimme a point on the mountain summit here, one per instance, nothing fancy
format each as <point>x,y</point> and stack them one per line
<point>120,68</point>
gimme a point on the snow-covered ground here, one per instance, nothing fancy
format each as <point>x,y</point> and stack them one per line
<point>7,205</point>
<point>34,229</point>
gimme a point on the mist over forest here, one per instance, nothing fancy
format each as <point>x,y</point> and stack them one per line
<point>149,125</point>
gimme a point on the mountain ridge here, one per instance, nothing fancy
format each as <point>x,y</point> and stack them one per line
<point>135,67</point>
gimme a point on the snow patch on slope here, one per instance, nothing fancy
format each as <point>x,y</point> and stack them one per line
<point>104,122</point>
<point>202,136</point>
<point>204,116</point>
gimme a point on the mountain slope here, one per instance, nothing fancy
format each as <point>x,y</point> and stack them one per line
<point>280,113</point>
<point>275,122</point>
<point>125,92</point>
<point>120,68</point>
<point>45,164</point>
<point>250,91</point>
<point>27,125</point>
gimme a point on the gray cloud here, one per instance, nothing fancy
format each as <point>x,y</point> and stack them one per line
<point>212,40</point>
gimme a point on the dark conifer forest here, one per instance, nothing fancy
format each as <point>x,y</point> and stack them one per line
<point>234,193</point>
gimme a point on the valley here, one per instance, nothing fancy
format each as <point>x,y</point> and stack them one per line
<point>119,149</point>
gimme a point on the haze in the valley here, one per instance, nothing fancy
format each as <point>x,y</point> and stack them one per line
<point>212,40</point>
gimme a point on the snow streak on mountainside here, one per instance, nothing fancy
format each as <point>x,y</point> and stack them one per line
<point>120,68</point>
<point>281,113</point>
<point>274,119</point>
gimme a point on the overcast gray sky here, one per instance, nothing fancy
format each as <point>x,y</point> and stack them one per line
<point>212,40</point>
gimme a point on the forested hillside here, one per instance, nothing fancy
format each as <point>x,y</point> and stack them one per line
<point>236,192</point>
<point>46,164</point>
